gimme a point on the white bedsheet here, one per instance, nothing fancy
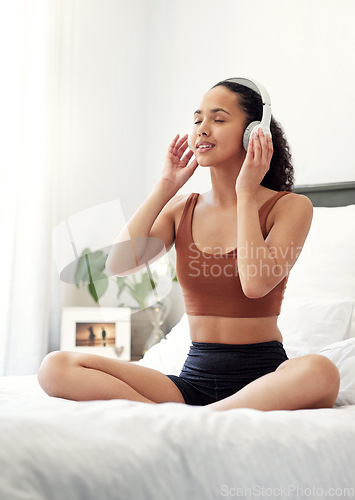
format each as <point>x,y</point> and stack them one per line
<point>52,449</point>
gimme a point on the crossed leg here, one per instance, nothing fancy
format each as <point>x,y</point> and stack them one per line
<point>85,377</point>
<point>306,382</point>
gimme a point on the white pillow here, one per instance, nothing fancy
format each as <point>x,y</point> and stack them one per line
<point>170,353</point>
<point>326,266</point>
<point>343,356</point>
<point>307,325</point>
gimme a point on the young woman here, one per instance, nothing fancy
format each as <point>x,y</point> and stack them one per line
<point>235,247</point>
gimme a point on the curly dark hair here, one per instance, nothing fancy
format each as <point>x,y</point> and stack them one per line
<point>280,175</point>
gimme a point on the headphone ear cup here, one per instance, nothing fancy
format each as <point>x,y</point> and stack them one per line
<point>248,133</point>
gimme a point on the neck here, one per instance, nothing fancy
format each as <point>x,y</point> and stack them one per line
<point>223,181</point>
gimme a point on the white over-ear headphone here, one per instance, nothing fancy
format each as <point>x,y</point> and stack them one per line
<point>266,117</point>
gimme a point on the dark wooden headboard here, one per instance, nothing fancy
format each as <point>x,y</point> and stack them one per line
<point>335,194</point>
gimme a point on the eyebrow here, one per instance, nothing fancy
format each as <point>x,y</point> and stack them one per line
<point>215,110</point>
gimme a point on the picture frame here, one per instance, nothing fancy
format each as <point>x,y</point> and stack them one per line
<point>97,330</point>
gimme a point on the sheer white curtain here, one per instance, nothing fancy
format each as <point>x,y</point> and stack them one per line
<point>32,177</point>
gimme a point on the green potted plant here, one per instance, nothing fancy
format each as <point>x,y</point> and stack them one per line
<point>137,291</point>
<point>140,286</point>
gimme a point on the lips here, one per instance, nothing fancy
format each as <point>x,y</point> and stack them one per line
<point>204,146</point>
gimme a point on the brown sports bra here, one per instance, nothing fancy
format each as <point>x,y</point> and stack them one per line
<point>210,282</point>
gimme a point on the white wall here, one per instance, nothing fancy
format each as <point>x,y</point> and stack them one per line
<point>138,69</point>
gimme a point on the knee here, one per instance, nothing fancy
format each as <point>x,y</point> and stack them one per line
<point>326,376</point>
<point>51,374</point>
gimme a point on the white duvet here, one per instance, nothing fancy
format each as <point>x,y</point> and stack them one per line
<point>52,449</point>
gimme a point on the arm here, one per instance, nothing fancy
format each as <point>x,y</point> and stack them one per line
<point>262,264</point>
<point>150,232</point>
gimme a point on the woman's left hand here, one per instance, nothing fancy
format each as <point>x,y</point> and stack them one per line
<point>256,163</point>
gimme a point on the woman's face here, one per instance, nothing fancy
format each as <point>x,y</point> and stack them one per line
<point>219,124</point>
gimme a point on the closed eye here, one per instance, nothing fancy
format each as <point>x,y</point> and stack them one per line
<point>216,121</point>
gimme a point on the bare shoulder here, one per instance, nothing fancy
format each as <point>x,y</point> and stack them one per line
<point>297,203</point>
<point>175,208</point>
<point>294,209</point>
<point>178,200</point>
<point>290,220</point>
<point>176,205</point>
<point>164,227</point>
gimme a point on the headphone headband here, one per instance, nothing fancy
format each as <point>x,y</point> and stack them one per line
<point>253,85</point>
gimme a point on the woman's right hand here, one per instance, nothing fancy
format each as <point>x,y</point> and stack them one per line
<point>177,169</point>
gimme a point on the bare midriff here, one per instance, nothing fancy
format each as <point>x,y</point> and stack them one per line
<point>222,330</point>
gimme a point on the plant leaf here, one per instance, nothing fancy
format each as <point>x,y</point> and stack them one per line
<point>81,275</point>
<point>90,263</point>
<point>98,287</point>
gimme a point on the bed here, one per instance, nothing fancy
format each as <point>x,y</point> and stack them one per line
<point>57,449</point>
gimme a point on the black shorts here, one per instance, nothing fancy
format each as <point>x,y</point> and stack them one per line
<point>213,372</point>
